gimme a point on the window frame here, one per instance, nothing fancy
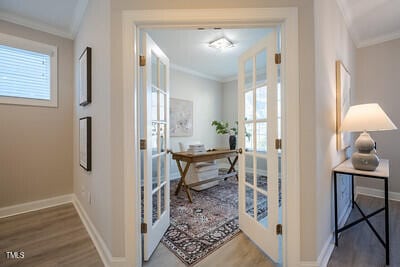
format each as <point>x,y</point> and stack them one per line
<point>29,45</point>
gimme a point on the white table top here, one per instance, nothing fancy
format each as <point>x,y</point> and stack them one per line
<point>347,167</point>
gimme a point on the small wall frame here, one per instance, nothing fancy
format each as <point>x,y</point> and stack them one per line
<point>85,143</point>
<point>343,98</point>
<point>85,77</point>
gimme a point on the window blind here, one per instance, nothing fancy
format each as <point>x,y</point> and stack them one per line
<point>24,74</point>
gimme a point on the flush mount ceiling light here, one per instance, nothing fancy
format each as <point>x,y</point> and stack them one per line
<point>221,43</point>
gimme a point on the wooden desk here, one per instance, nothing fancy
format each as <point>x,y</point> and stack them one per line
<point>382,172</point>
<point>202,157</point>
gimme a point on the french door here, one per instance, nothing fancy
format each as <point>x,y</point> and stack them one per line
<point>258,131</point>
<point>155,95</point>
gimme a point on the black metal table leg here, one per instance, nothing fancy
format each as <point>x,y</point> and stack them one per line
<point>387,247</point>
<point>336,209</point>
<point>352,191</point>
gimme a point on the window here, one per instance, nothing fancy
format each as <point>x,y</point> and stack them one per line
<point>28,72</point>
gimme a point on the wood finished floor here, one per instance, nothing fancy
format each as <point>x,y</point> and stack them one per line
<point>49,237</point>
<point>238,252</point>
<point>359,247</point>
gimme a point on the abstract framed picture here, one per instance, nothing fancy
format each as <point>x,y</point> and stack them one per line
<point>85,143</point>
<point>181,117</point>
<point>85,77</point>
<point>343,97</point>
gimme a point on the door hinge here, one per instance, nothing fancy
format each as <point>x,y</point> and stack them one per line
<point>143,144</point>
<point>278,143</point>
<point>142,61</point>
<point>278,58</point>
<point>143,228</point>
<point>279,229</point>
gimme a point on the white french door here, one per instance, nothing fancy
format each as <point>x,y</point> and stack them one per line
<point>155,86</point>
<point>258,131</point>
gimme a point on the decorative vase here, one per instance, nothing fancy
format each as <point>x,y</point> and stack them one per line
<point>232,142</point>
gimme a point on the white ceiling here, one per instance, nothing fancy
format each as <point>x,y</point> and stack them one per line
<point>59,17</point>
<point>188,49</point>
<point>371,21</point>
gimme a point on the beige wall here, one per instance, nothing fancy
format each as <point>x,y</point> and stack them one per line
<point>378,81</point>
<point>95,33</point>
<point>36,142</point>
<point>307,113</point>
<point>332,42</point>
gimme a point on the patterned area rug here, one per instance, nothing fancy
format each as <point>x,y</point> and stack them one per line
<point>199,228</point>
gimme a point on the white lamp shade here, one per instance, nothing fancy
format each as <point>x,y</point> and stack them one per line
<point>366,117</point>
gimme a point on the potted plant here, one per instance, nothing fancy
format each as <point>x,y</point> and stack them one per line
<point>222,127</point>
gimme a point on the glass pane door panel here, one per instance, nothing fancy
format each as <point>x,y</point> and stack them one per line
<point>262,173</point>
<point>154,137</point>
<point>262,209</point>
<point>163,159</point>
<point>248,78</point>
<point>248,105</point>
<point>155,172</point>
<point>154,70</point>
<point>249,138</point>
<point>155,207</point>
<point>163,75</point>
<point>162,106</point>
<point>154,104</point>
<point>249,201</point>
<point>249,169</point>
<point>261,65</point>
<point>162,137</point>
<point>261,103</point>
<point>163,198</point>
<point>261,137</point>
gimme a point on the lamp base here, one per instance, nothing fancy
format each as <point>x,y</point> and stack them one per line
<point>365,162</point>
<point>365,158</point>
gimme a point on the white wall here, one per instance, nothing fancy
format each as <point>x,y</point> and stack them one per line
<point>230,102</point>
<point>36,142</point>
<point>378,81</point>
<point>207,97</point>
<point>332,42</point>
<point>100,182</point>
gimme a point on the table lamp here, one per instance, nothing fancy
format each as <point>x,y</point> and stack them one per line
<point>363,118</point>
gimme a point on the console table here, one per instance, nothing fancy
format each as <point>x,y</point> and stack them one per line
<point>202,157</point>
<point>382,172</point>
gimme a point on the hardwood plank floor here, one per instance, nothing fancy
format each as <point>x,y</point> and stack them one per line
<point>359,247</point>
<point>238,252</point>
<point>49,237</point>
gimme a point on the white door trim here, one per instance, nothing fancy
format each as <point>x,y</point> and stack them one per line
<point>288,19</point>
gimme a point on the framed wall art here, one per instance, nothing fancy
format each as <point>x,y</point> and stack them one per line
<point>181,117</point>
<point>85,143</point>
<point>85,77</point>
<point>343,98</point>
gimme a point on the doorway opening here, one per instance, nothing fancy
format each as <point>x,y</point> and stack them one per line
<point>190,91</point>
<point>133,20</point>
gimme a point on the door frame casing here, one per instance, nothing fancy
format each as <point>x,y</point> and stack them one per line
<point>287,18</point>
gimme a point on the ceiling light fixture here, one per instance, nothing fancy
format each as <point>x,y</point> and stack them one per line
<point>221,43</point>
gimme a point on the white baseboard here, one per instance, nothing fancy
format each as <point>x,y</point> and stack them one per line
<point>34,205</point>
<point>98,241</point>
<point>360,190</point>
<point>329,245</point>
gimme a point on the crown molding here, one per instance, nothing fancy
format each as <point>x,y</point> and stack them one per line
<point>348,21</point>
<point>379,39</point>
<point>35,25</point>
<point>195,73</point>
<point>79,13</point>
